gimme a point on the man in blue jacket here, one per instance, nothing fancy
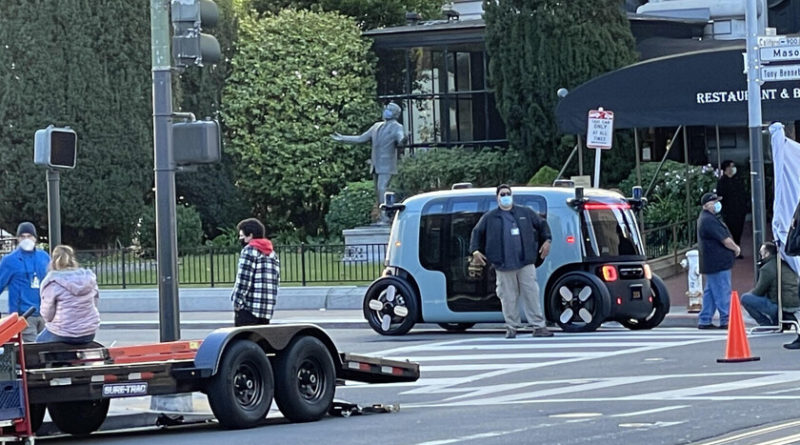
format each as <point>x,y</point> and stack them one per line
<point>22,272</point>
<point>512,237</point>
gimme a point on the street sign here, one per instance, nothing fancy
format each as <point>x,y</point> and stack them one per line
<point>600,131</point>
<point>780,72</point>
<point>779,53</point>
<point>767,41</point>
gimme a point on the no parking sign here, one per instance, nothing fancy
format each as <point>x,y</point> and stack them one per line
<point>600,131</point>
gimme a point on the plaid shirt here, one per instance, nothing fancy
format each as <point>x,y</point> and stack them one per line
<point>256,286</point>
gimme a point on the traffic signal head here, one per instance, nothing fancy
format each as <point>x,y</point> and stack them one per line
<point>189,45</point>
<point>55,147</point>
<point>196,142</point>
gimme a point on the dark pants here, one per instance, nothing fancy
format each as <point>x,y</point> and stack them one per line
<point>245,318</point>
<point>735,223</point>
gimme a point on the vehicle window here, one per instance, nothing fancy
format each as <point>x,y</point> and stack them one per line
<point>430,240</point>
<point>610,230</point>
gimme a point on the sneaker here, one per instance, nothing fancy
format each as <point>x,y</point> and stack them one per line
<point>511,333</point>
<point>793,345</point>
<point>542,332</point>
<point>706,326</point>
<point>723,326</point>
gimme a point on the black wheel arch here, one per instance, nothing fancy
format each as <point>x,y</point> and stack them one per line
<point>271,339</point>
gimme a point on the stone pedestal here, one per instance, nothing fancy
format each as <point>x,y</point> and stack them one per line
<point>366,244</point>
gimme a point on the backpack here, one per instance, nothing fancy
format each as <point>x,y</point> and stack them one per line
<point>793,237</point>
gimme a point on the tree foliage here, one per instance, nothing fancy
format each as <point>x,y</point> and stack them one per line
<point>536,47</point>
<point>368,14</point>
<point>188,225</point>
<point>440,169</point>
<point>75,64</point>
<point>351,207</point>
<point>298,77</point>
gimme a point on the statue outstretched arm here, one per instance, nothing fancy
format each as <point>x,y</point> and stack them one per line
<point>360,139</point>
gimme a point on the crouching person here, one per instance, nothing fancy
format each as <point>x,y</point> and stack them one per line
<point>69,300</point>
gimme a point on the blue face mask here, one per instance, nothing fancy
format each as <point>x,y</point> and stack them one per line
<point>387,114</point>
<point>506,201</point>
<point>717,207</point>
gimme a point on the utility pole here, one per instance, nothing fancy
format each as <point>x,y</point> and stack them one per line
<point>164,163</point>
<point>754,124</point>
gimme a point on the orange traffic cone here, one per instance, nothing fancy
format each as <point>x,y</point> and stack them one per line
<point>738,350</point>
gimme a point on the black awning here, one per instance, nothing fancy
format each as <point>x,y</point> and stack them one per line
<point>698,88</point>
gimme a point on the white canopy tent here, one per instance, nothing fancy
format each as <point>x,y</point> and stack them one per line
<point>786,158</point>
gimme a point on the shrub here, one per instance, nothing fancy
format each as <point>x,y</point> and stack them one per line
<point>351,207</point>
<point>545,176</point>
<point>668,195</point>
<point>441,168</point>
<point>190,228</point>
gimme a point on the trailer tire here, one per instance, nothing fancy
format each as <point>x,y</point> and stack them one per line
<point>36,415</point>
<point>305,380</point>
<point>240,394</point>
<point>79,418</point>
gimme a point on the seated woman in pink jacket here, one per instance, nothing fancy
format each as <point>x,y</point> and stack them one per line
<point>69,300</point>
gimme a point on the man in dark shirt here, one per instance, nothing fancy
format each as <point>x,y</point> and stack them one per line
<point>512,237</point>
<point>734,200</point>
<point>717,254</point>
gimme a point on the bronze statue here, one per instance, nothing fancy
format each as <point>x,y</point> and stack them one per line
<point>386,137</point>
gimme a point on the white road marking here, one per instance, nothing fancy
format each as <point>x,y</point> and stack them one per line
<point>476,436</point>
<point>650,411</point>
<point>751,433</point>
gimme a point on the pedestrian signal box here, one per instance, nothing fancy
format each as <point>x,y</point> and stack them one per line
<point>55,147</point>
<point>196,142</point>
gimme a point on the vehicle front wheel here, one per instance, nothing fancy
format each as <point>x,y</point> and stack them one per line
<point>240,394</point>
<point>660,296</point>
<point>390,306</point>
<point>579,302</point>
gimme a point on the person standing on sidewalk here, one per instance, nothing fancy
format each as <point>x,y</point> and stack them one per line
<point>762,302</point>
<point>717,255</point>
<point>69,300</point>
<point>512,236</point>
<point>734,205</point>
<point>21,272</point>
<point>257,277</point>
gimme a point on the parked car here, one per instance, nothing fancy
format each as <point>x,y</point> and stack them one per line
<point>596,270</point>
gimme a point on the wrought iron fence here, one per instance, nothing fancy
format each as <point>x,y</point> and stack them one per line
<point>669,239</point>
<point>302,264</point>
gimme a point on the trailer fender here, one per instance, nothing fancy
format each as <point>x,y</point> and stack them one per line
<point>271,338</point>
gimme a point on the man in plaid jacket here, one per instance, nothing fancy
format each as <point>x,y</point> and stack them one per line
<point>257,278</point>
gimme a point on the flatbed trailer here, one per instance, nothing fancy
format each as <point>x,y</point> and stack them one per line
<point>241,370</point>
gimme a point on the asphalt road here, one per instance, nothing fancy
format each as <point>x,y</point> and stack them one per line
<point>612,386</point>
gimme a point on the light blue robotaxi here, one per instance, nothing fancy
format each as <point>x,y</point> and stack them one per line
<point>596,270</point>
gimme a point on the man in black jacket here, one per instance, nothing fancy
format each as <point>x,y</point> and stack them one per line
<point>512,237</point>
<point>734,201</point>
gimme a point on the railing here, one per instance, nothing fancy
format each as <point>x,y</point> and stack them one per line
<point>302,264</point>
<point>670,239</point>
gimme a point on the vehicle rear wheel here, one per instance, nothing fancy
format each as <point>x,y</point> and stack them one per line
<point>456,327</point>
<point>390,306</point>
<point>579,302</point>
<point>79,418</point>
<point>660,296</point>
<point>306,379</point>
<point>240,394</point>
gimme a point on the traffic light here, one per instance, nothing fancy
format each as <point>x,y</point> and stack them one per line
<point>189,45</point>
<point>55,147</point>
<point>196,142</point>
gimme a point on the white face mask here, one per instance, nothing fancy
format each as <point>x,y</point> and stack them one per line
<point>27,245</point>
<point>733,171</point>
<point>717,207</point>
